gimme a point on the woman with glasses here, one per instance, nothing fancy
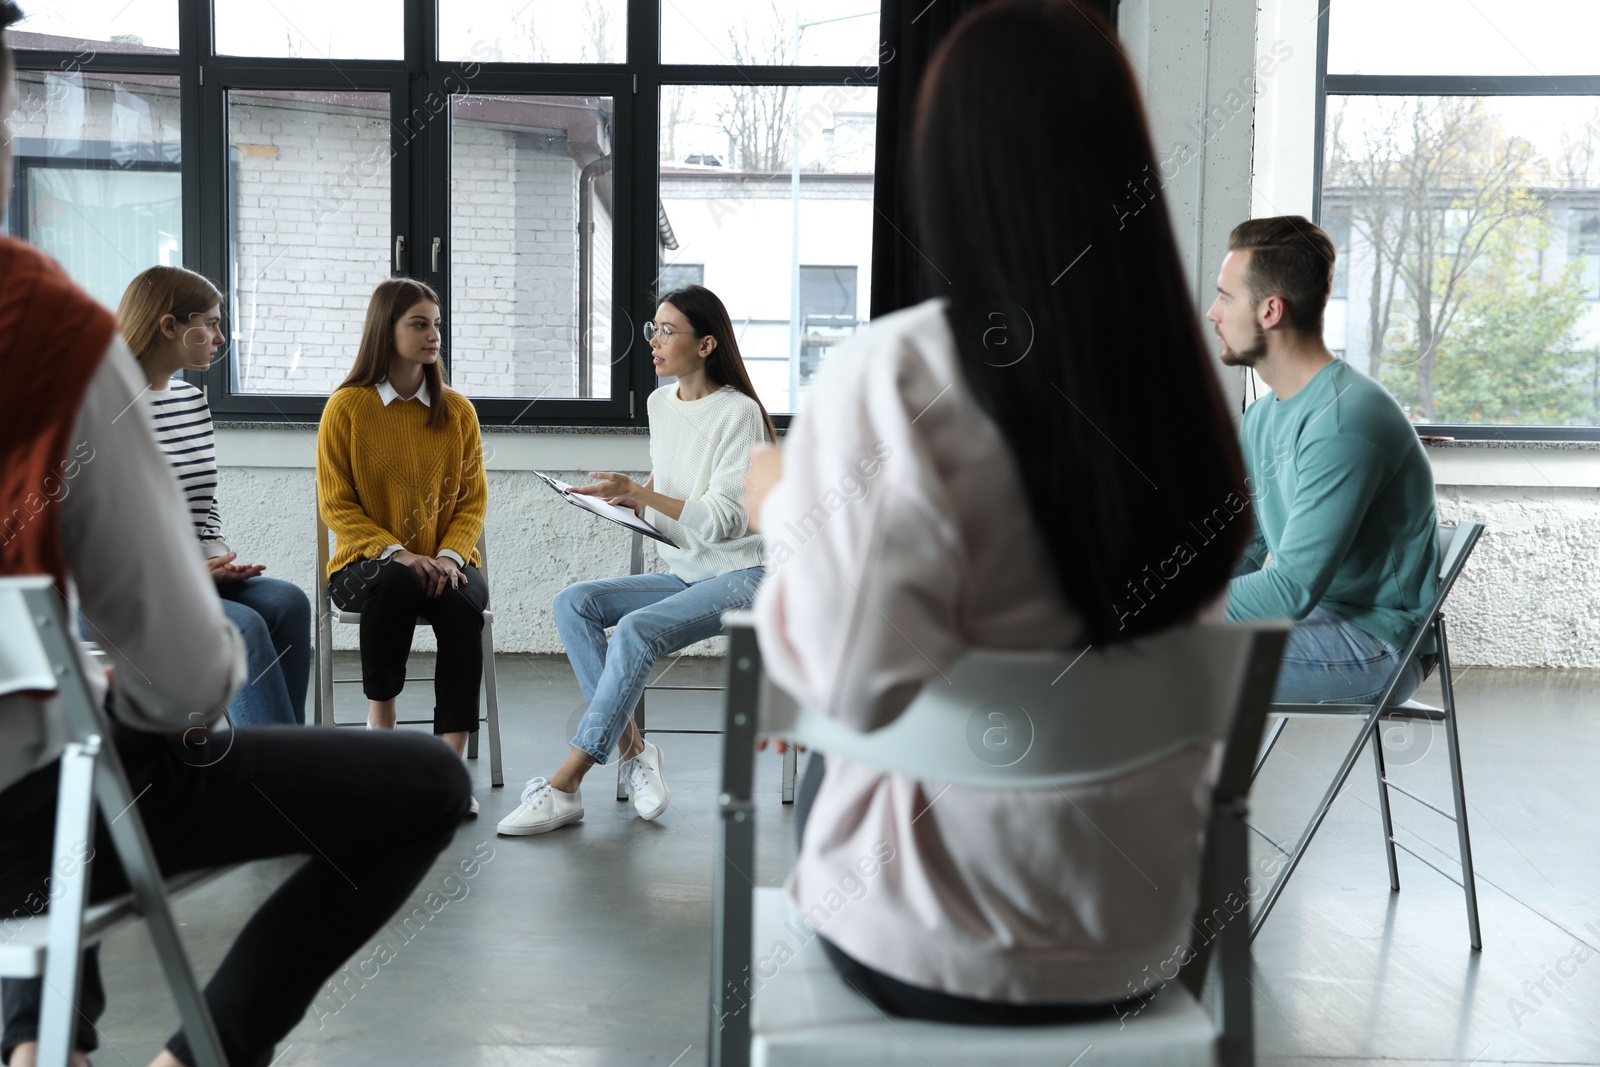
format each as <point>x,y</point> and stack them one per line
<point>171,319</point>
<point>702,428</point>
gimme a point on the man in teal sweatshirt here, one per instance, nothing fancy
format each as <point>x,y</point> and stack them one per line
<point>1341,489</point>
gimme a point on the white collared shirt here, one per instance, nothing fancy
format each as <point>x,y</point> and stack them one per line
<point>386,393</point>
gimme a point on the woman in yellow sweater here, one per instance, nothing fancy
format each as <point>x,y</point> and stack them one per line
<point>400,483</point>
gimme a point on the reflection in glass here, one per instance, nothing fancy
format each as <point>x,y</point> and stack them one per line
<point>87,27</point>
<point>734,201</point>
<point>532,217</point>
<point>309,213</point>
<point>96,174</point>
<point>1468,285</point>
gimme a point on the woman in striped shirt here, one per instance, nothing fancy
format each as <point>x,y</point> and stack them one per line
<point>171,319</point>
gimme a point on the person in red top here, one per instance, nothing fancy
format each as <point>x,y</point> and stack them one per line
<point>87,497</point>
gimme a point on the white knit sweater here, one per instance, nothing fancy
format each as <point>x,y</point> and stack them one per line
<point>699,452</point>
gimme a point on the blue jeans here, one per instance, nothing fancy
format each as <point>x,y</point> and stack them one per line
<point>274,617</point>
<point>1330,661</point>
<point>654,614</point>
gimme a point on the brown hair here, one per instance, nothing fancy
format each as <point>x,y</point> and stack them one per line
<point>156,293</point>
<point>392,299</point>
<point>724,366</point>
<point>1290,258</point>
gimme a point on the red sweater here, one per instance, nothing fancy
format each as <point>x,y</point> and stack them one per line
<point>52,338</point>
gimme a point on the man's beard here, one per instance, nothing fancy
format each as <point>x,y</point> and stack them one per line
<point>1247,357</point>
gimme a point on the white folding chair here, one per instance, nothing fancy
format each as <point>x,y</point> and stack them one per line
<point>1094,717</point>
<point>37,656</point>
<point>331,613</point>
<point>1455,546</point>
<point>790,757</point>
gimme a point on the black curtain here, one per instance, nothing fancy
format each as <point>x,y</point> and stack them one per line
<point>910,32</point>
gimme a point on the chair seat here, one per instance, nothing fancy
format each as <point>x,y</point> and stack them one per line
<point>23,950</point>
<point>354,617</point>
<point>806,1015</point>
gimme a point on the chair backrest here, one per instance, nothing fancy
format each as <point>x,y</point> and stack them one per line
<point>1026,720</point>
<point>24,663</point>
<point>1455,547</point>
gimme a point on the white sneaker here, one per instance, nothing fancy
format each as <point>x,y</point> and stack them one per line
<point>472,809</point>
<point>646,785</point>
<point>543,808</point>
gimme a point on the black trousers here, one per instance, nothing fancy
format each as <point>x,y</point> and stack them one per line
<point>902,999</point>
<point>389,597</point>
<point>369,811</point>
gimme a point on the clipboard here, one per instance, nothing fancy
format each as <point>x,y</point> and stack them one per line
<point>619,515</point>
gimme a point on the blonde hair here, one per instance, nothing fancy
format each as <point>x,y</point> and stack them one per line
<point>156,293</point>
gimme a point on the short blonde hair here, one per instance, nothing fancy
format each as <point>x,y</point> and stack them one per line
<point>157,293</point>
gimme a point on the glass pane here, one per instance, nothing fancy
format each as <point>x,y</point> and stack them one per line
<point>96,174</point>
<point>533,31</point>
<point>311,29</point>
<point>733,205</point>
<point>1484,37</point>
<point>775,33</point>
<point>89,26</point>
<point>1473,234</point>
<point>309,206</point>
<point>532,214</point>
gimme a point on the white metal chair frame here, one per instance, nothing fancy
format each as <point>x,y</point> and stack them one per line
<point>790,757</point>
<point>39,653</point>
<point>1455,546</point>
<point>331,613</point>
<point>1241,672</point>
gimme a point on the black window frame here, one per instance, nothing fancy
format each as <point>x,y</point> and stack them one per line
<point>420,178</point>
<point>1443,85</point>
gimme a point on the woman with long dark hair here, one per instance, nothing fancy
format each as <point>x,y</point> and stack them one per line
<point>702,428</point>
<point>1053,466</point>
<point>400,483</point>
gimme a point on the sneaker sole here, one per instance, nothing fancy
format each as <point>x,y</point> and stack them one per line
<point>666,794</point>
<point>529,831</point>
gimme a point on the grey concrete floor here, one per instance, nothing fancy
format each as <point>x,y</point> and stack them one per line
<point>591,946</point>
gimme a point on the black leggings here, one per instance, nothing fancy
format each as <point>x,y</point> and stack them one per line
<point>369,811</point>
<point>902,999</point>
<point>389,597</point>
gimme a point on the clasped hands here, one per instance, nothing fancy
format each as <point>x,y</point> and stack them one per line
<point>436,573</point>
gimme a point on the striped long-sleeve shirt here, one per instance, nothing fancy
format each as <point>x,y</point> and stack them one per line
<point>182,422</point>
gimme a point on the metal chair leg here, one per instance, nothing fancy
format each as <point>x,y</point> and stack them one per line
<point>1463,839</point>
<point>1383,810</point>
<point>791,760</point>
<point>325,715</point>
<point>491,696</point>
<point>1315,824</point>
<point>70,877</point>
<point>1266,749</point>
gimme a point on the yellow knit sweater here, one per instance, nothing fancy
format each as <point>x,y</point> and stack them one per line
<point>384,478</point>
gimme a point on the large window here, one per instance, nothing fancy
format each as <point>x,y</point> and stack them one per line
<point>766,185</point>
<point>547,166</point>
<point>1461,178</point>
<point>96,179</point>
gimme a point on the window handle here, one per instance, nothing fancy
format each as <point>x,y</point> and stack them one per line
<point>438,244</point>
<point>399,247</point>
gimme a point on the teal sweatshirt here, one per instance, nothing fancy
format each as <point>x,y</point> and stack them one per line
<point>1343,498</point>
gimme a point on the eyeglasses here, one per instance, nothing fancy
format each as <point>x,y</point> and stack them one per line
<point>667,332</point>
